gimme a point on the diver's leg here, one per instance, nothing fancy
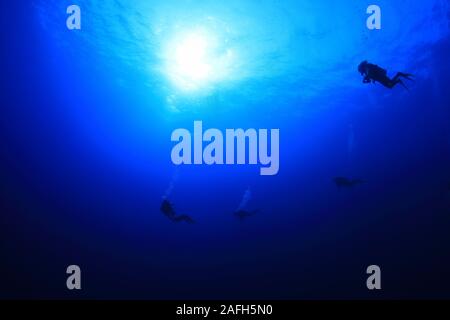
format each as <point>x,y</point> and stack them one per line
<point>396,78</point>
<point>403,75</point>
<point>387,82</point>
<point>391,83</point>
<point>408,76</point>
<point>403,84</point>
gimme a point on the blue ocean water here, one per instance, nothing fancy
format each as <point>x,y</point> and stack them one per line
<point>87,117</point>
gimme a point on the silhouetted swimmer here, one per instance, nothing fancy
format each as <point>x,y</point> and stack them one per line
<point>342,182</point>
<point>243,214</point>
<point>167,209</point>
<point>373,73</point>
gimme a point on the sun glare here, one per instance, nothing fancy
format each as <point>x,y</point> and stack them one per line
<point>197,60</point>
<point>191,59</point>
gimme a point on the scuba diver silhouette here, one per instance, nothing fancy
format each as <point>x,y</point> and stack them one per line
<point>243,214</point>
<point>373,73</point>
<point>342,182</point>
<point>167,209</point>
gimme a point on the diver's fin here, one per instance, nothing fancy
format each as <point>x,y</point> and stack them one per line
<point>404,85</point>
<point>408,76</point>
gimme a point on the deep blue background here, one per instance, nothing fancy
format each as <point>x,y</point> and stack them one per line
<point>85,158</point>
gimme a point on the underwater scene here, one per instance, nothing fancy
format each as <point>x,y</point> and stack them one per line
<point>234,149</point>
